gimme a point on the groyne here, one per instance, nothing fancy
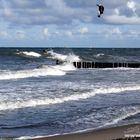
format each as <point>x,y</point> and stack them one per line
<point>89,64</point>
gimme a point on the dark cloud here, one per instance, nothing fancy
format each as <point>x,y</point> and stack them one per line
<point>62,12</point>
<point>81,3</point>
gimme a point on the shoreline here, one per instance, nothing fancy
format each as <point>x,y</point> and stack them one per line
<point>123,132</point>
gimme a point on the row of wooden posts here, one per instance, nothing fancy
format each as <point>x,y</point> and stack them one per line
<point>89,64</point>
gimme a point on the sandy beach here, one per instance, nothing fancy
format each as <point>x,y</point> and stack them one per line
<point>123,132</point>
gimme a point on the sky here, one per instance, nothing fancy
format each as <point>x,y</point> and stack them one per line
<point>69,23</point>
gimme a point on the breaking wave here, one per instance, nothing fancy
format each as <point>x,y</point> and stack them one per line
<point>29,54</point>
<point>61,57</point>
<point>75,97</point>
<point>100,55</point>
<point>44,71</point>
<point>29,137</point>
<point>127,112</point>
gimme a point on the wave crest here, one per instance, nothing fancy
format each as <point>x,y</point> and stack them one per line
<point>10,75</point>
<point>74,97</point>
<point>61,57</point>
<point>29,54</point>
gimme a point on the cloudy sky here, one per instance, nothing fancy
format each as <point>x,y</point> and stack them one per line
<point>69,23</point>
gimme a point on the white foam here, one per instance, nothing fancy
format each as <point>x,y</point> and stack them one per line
<point>74,97</point>
<point>30,54</point>
<point>67,58</point>
<point>100,54</point>
<point>53,55</point>
<point>132,111</point>
<point>121,69</point>
<point>72,58</point>
<point>127,112</point>
<point>65,67</point>
<point>35,137</point>
<point>9,75</point>
<point>57,70</point>
<point>28,137</point>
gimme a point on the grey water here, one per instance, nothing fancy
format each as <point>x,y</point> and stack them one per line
<point>40,98</point>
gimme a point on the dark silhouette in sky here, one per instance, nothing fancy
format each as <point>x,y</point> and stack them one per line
<point>101,10</point>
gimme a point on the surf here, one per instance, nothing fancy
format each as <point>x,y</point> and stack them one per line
<point>61,57</point>
<point>126,113</point>
<point>38,72</point>
<point>29,54</point>
<point>75,97</point>
<point>45,70</point>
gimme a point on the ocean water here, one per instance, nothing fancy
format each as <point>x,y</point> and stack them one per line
<point>40,98</point>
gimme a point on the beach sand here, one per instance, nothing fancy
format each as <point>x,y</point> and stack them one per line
<point>122,132</point>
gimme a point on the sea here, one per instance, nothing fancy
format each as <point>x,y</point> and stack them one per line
<point>39,98</point>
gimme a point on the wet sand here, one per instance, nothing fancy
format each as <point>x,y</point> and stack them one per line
<point>123,132</point>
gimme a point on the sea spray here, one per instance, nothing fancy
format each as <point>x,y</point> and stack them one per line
<point>61,57</point>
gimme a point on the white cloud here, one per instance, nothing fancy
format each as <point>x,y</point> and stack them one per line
<point>46,32</point>
<point>116,19</point>
<point>57,33</point>
<point>116,31</point>
<point>116,11</point>
<point>20,34</point>
<point>6,8</point>
<point>3,34</point>
<point>132,6</point>
<point>84,30</point>
<point>119,33</point>
<point>69,33</point>
<point>58,6</point>
<point>65,12</point>
<point>133,33</point>
<point>112,32</point>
